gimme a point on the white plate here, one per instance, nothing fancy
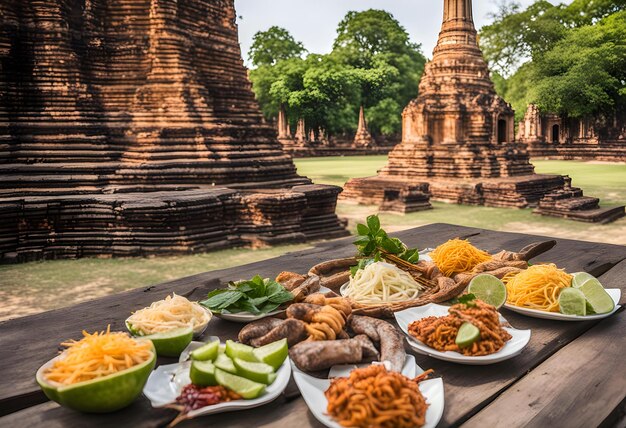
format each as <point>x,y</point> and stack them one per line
<point>313,389</point>
<point>246,317</point>
<point>510,349</point>
<point>166,382</point>
<point>615,294</point>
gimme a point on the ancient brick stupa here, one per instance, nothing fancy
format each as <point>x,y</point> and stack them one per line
<point>458,141</point>
<point>129,128</point>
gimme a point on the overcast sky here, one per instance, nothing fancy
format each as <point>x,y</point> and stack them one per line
<point>314,22</point>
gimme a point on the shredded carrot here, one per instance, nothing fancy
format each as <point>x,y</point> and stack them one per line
<point>538,287</point>
<point>458,255</point>
<point>98,355</point>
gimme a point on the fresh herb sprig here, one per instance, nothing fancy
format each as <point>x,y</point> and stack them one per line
<point>467,299</point>
<point>257,296</point>
<point>374,244</point>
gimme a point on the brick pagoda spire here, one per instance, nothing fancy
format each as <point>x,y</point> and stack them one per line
<point>458,140</point>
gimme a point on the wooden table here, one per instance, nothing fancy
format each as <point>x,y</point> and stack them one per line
<point>571,373</point>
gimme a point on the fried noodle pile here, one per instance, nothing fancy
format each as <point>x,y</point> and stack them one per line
<point>440,332</point>
<point>375,397</point>
<point>537,287</point>
<point>458,255</point>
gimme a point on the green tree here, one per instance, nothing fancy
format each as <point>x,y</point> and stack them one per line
<point>275,44</point>
<point>568,59</point>
<point>387,64</point>
<point>584,74</point>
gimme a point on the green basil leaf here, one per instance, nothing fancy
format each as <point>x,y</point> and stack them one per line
<point>373,223</point>
<point>222,300</point>
<point>362,229</point>
<point>362,241</point>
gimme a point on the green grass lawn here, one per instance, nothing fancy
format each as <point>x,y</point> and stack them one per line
<point>38,286</point>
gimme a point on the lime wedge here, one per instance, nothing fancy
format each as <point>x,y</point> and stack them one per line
<point>489,289</point>
<point>597,297</point>
<point>202,373</point>
<point>171,343</point>
<point>206,352</point>
<point>467,334</point>
<point>273,353</point>
<point>579,278</point>
<point>245,387</point>
<point>223,362</point>
<point>258,372</point>
<point>239,350</point>
<point>221,349</point>
<point>572,302</point>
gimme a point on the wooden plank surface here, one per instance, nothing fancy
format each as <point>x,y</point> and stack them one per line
<point>467,389</point>
<point>579,386</point>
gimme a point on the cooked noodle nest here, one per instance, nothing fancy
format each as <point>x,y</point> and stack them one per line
<point>381,282</point>
<point>173,312</point>
<point>537,287</point>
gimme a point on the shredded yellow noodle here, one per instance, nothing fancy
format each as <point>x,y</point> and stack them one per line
<point>172,312</point>
<point>382,282</point>
<point>458,255</point>
<point>538,287</point>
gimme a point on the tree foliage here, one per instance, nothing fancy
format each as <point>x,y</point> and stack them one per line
<point>275,44</point>
<point>568,59</point>
<point>373,63</point>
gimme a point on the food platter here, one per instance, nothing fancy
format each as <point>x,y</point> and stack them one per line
<point>513,347</point>
<point>615,294</point>
<point>166,382</point>
<point>313,388</point>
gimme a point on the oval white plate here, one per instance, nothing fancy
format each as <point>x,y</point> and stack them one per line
<point>166,382</point>
<point>615,294</point>
<point>513,347</point>
<point>313,389</point>
<point>247,317</point>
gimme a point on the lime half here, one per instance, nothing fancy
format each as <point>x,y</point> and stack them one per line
<point>171,343</point>
<point>273,353</point>
<point>597,297</point>
<point>489,289</point>
<point>239,350</point>
<point>468,333</point>
<point>223,362</point>
<point>579,278</point>
<point>202,373</point>
<point>245,387</point>
<point>258,372</point>
<point>206,352</point>
<point>572,302</point>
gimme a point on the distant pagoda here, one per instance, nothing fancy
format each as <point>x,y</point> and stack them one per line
<point>130,128</point>
<point>458,141</point>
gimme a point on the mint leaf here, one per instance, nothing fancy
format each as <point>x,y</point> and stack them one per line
<point>362,229</point>
<point>373,223</point>
<point>467,299</point>
<point>222,300</point>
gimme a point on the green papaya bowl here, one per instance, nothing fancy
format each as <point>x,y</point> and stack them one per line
<point>102,395</point>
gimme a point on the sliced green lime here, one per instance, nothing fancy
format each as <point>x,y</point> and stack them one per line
<point>245,387</point>
<point>171,343</point>
<point>202,373</point>
<point>468,333</point>
<point>258,372</point>
<point>273,353</point>
<point>597,297</point>
<point>206,352</point>
<point>489,289</point>
<point>239,350</point>
<point>225,363</point>
<point>572,302</point>
<point>579,278</point>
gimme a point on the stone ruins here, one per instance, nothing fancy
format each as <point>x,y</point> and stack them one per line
<point>458,142</point>
<point>557,137</point>
<point>128,127</point>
